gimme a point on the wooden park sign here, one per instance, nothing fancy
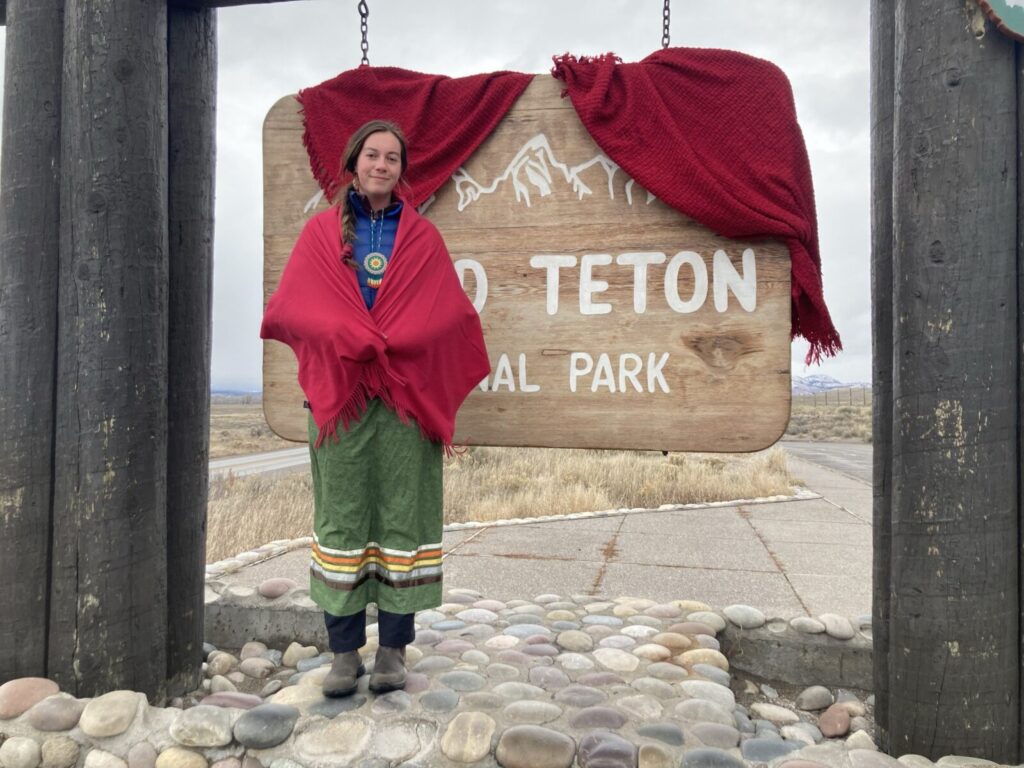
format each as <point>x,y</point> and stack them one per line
<point>611,320</point>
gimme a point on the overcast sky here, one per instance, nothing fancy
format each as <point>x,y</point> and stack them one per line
<point>272,50</point>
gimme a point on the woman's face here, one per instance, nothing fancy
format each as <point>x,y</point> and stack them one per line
<point>379,167</point>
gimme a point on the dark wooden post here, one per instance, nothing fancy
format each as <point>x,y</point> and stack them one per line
<point>192,68</point>
<point>108,611</point>
<point>29,227</point>
<point>954,646</point>
<point>883,25</point>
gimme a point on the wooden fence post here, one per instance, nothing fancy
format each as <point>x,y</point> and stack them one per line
<point>192,86</point>
<point>29,238</point>
<point>954,646</point>
<point>108,608</point>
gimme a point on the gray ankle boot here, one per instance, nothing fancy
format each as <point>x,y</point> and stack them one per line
<point>345,671</point>
<point>388,670</point>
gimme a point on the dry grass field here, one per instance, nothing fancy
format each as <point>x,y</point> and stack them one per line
<point>500,483</point>
<point>845,416</point>
<point>237,428</point>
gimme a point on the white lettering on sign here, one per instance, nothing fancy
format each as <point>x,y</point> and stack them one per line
<point>480,276</point>
<point>582,364</point>
<point>503,376</point>
<point>725,277</point>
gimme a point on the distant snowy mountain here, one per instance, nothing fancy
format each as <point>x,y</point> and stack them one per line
<point>808,385</point>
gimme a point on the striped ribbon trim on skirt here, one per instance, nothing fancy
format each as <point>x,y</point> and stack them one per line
<point>346,569</point>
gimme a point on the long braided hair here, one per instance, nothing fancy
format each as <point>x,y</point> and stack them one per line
<point>348,164</point>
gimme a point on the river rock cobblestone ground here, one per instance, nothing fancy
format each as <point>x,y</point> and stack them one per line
<point>552,681</point>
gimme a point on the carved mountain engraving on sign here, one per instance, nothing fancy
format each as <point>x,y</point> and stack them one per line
<point>611,320</point>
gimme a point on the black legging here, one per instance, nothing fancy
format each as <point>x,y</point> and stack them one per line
<point>348,633</point>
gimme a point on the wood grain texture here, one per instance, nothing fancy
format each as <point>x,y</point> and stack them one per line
<point>29,227</point>
<point>108,607</point>
<point>555,193</point>
<point>954,649</point>
<point>192,96</point>
<point>883,50</point>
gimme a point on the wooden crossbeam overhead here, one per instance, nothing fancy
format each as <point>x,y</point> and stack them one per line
<point>200,4</point>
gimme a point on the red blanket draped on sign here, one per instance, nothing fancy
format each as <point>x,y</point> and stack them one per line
<point>713,134</point>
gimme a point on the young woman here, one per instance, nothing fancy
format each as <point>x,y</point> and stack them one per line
<point>388,347</point>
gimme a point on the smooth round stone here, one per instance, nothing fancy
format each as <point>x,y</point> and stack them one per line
<point>439,701</point>
<point>655,756</point>
<point>520,618</point>
<point>641,706</point>
<point>602,749</point>
<point>564,626</point>
<point>340,741</point>
<point>265,726</point>
<point>473,656</point>
<point>602,620</point>
<point>447,625</point>
<point>814,698</point>
<point>256,667</point>
<point>477,632</point>
<point>517,657</point>
<point>56,713</point>
<point>622,642</point>
<point>744,616</point>
<point>669,733</point>
<point>652,652</point>
<point>397,740</point>
<point>766,728</point>
<point>707,641</point>
<point>464,596</point>
<point>331,708</point>
<point>665,671</point>
<point>202,726</point>
<point>674,641</point>
<point>549,678</point>
<point>517,606</point>
<point>220,663</point>
<point>296,652</point>
<point>461,680</point>
<point>774,713</point>
<point>692,629</point>
<point>547,597</point>
<point>227,762</point>
<point>526,630</point>
<point>20,752</point>
<point>805,733</point>
<point>709,757</point>
<point>624,611</point>
<point>477,616</point>
<point>490,605</point>
<point>576,641</point>
<point>515,690</point>
<point>251,649</point>
<point>616,660</point>
<point>532,712</point>
<point>850,703</point>
<point>562,605</point>
<point>453,646</point>
<point>232,699</point>
<point>598,717</point>
<point>598,606</point>
<point>178,757</point>
<point>430,616</point>
<point>598,679</point>
<point>483,700</point>
<point>837,626</point>
<point>220,684</point>
<point>911,760</point>
<point>869,758</point>
<point>663,611</point>
<point>271,688</point>
<point>653,687</point>
<point>62,752</point>
<point>560,616</point>
<point>100,758</point>
<point>110,714</point>
<point>599,631</point>
<point>703,689</point>
<point>716,735</point>
<point>580,696</point>
<point>711,619</point>
<point>834,721</point>
<point>704,711</point>
<point>575,661</point>
<point>428,637</point>
<point>639,631</point>
<point>807,625</point>
<point>531,746</point>
<point>704,656</point>
<point>742,722</point>
<point>712,673</point>
<point>21,694</point>
<point>305,665</point>
<point>391,703</point>
<point>501,642</point>
<point>416,682</point>
<point>541,649</point>
<point>468,737</point>
<point>861,741</point>
<point>499,671</point>
<point>645,621</point>
<point>235,678</point>
<point>434,664</point>
<point>764,750</point>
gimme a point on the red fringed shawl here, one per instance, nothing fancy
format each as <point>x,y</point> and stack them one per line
<point>713,134</point>
<point>420,348</point>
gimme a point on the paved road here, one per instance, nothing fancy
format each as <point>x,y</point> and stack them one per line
<point>287,460</point>
<point>852,459</point>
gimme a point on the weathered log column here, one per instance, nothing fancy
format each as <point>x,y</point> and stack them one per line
<point>954,646</point>
<point>108,612</point>
<point>29,227</point>
<point>883,23</point>
<point>192,67</point>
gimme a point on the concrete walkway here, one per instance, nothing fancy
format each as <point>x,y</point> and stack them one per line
<point>790,558</point>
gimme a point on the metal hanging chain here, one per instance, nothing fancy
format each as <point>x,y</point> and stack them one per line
<point>364,13</point>
<point>664,25</point>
